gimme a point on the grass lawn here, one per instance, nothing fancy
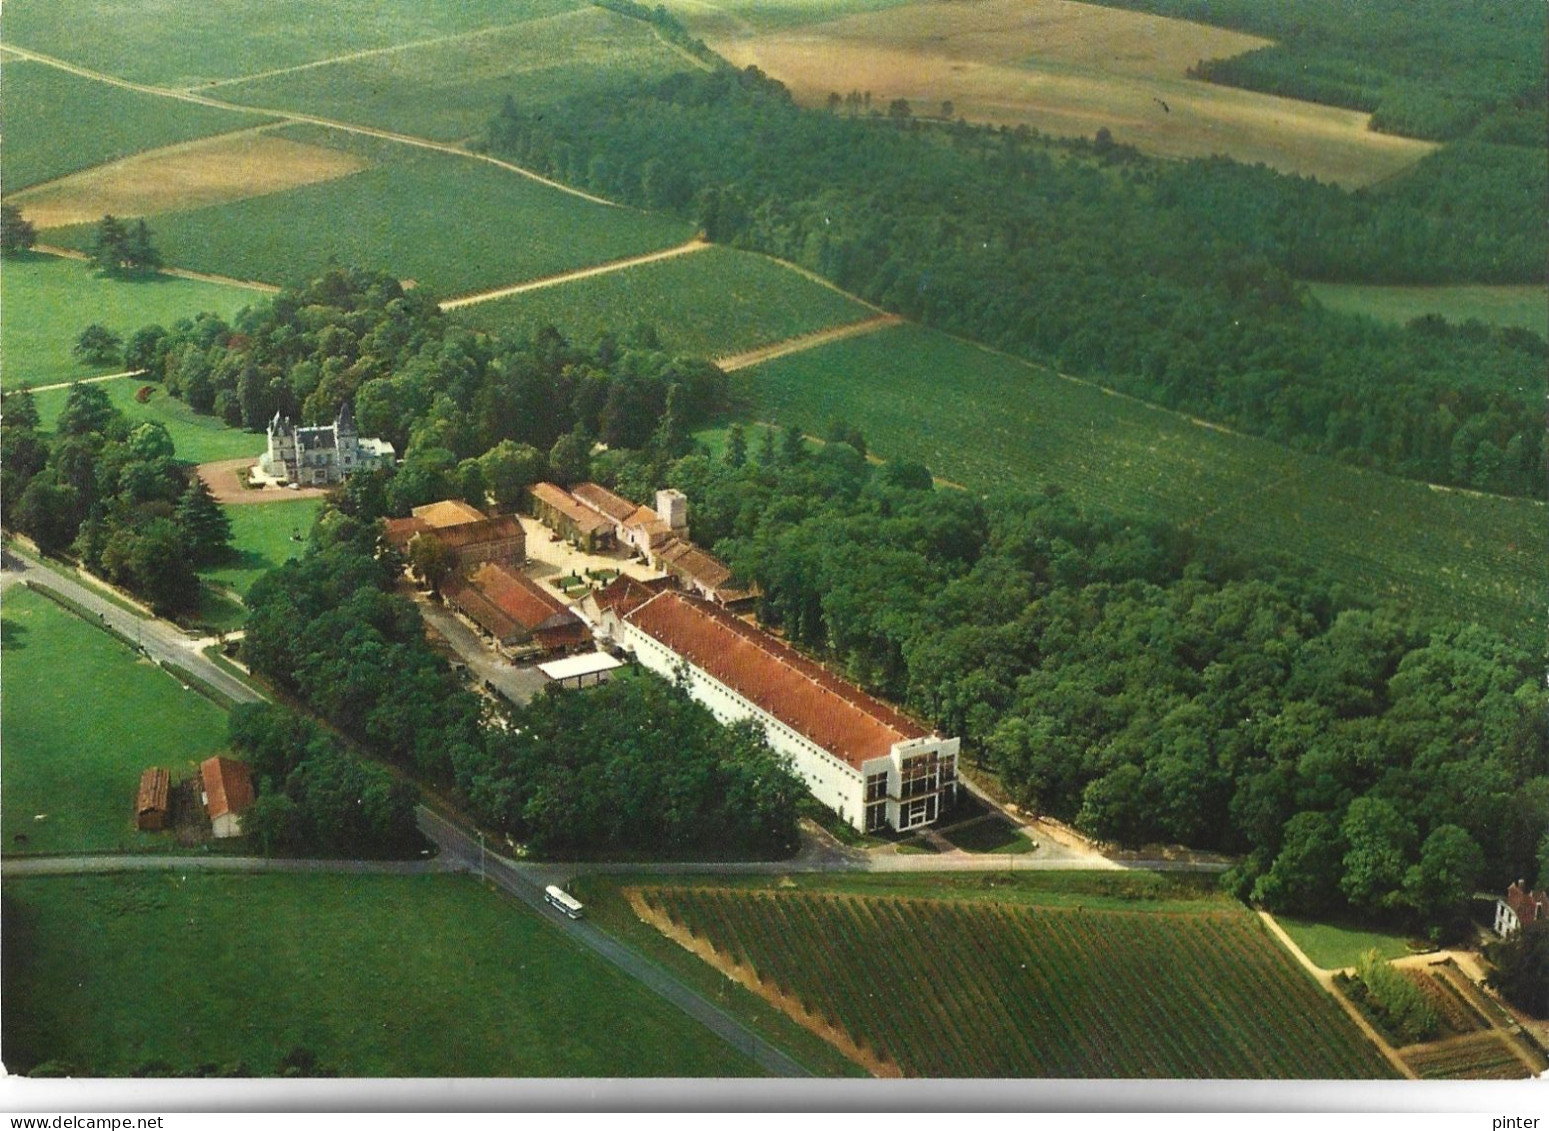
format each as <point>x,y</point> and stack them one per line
<point>83,717</point>
<point>196,438</point>
<point>48,301</point>
<point>262,538</point>
<point>990,834</point>
<point>1527,307</point>
<point>450,223</point>
<point>58,123</point>
<point>1011,987</point>
<point>375,975</point>
<point>987,421</point>
<point>448,91</point>
<point>189,42</point>
<point>1334,946</point>
<point>708,303</point>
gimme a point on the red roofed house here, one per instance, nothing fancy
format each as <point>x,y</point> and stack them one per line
<point>1520,907</point>
<point>228,791</point>
<point>872,764</point>
<point>637,526</point>
<point>564,514</point>
<point>516,611</point>
<point>470,534</point>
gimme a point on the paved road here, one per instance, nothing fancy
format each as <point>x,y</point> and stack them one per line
<point>163,642</point>
<point>526,884</point>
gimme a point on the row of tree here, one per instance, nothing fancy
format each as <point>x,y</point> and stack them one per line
<point>1147,687</point>
<point>114,494</point>
<point>1174,281</point>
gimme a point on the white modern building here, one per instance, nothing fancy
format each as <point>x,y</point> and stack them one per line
<point>866,760</point>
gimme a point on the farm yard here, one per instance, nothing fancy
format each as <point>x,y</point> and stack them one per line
<point>449,223</point>
<point>1527,307</point>
<point>83,717</point>
<point>987,421</point>
<point>447,90</point>
<point>197,438</point>
<point>372,975</point>
<point>711,303</point>
<point>1060,67</point>
<point>48,300</point>
<point>58,123</point>
<point>937,987</point>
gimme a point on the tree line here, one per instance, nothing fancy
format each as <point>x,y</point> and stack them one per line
<point>112,493</point>
<point>1174,281</point>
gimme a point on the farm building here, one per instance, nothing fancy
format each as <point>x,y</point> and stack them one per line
<point>638,527</point>
<point>515,611</point>
<point>323,455</point>
<point>154,799</point>
<point>586,670</point>
<point>472,536</point>
<point>228,791</point>
<point>698,572</point>
<point>564,514</point>
<point>869,762</point>
<point>1520,906</point>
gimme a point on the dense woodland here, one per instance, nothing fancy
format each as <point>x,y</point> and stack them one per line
<point>1174,281</point>
<point>114,495</point>
<point>632,767</point>
<point>1148,687</point>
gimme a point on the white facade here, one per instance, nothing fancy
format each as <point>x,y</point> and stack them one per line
<point>903,789</point>
<point>323,455</point>
<point>1506,920</point>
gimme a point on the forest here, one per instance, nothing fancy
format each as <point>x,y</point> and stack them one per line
<point>1149,687</point>
<point>1174,281</point>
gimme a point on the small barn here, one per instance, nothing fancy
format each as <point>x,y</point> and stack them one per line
<point>154,800</point>
<point>228,791</point>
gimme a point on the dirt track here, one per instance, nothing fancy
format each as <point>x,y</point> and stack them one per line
<point>692,245</point>
<point>807,342</point>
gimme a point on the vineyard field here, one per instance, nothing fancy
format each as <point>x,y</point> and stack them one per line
<point>449,223</point>
<point>1479,1056</point>
<point>945,988</point>
<point>710,303</point>
<point>986,421</point>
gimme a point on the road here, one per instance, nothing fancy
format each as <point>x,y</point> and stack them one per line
<point>161,641</point>
<point>527,885</point>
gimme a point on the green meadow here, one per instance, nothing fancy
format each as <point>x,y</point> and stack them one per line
<point>985,420</point>
<point>1335,946</point>
<point>1527,307</point>
<point>58,123</point>
<point>453,224</point>
<point>84,716</point>
<point>197,438</point>
<point>372,975</point>
<point>48,301</point>
<point>708,303</point>
<point>263,536</point>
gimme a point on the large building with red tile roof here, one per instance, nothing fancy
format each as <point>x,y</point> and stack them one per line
<point>872,764</point>
<point>515,611</point>
<point>228,791</point>
<point>564,514</point>
<point>471,535</point>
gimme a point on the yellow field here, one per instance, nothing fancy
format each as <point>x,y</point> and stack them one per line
<point>215,170</point>
<point>1062,67</point>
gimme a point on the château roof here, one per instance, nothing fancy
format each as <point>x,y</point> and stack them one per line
<point>831,712</point>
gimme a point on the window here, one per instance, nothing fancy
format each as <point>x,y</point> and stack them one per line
<point>876,816</point>
<point>876,786</point>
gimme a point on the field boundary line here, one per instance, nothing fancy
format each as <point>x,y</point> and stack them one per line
<point>296,118</point>
<point>77,381</point>
<point>693,245</point>
<point>173,272</point>
<point>1325,979</point>
<point>732,362</point>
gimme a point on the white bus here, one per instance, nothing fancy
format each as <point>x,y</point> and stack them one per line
<point>563,900</point>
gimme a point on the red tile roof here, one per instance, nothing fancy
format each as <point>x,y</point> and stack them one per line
<point>561,500</point>
<point>501,528</point>
<point>692,562</point>
<point>401,531</point>
<point>1530,906</point>
<point>228,786</point>
<point>600,499</point>
<point>832,712</point>
<point>448,512</point>
<point>510,605</point>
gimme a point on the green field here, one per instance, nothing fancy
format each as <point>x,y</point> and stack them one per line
<point>48,301</point>
<point>449,91</point>
<point>184,43</point>
<point>1010,989</point>
<point>1527,307</point>
<point>375,975</point>
<point>263,535</point>
<point>1334,946</point>
<point>708,303</point>
<point>58,123</point>
<point>83,717</point>
<point>197,438</point>
<point>740,17</point>
<point>986,421</point>
<point>454,224</point>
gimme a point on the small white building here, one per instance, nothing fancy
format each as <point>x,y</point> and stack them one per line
<point>227,792</point>
<point>866,760</point>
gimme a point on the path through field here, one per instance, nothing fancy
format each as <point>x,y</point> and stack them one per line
<point>693,245</point>
<point>806,342</point>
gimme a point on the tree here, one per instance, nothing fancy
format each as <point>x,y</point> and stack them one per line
<point>1440,885</point>
<point>161,568</point>
<point>1379,839</point>
<point>793,446</point>
<point>145,348</point>
<point>947,108</point>
<point>16,233</point>
<point>510,468</point>
<point>142,255</point>
<point>87,411</point>
<point>432,560</point>
<point>97,345</point>
<point>570,459</point>
<point>205,526</point>
<point>1522,968</point>
<point>1305,875</point>
<point>272,822</point>
<point>899,111</point>
<point>109,252</point>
